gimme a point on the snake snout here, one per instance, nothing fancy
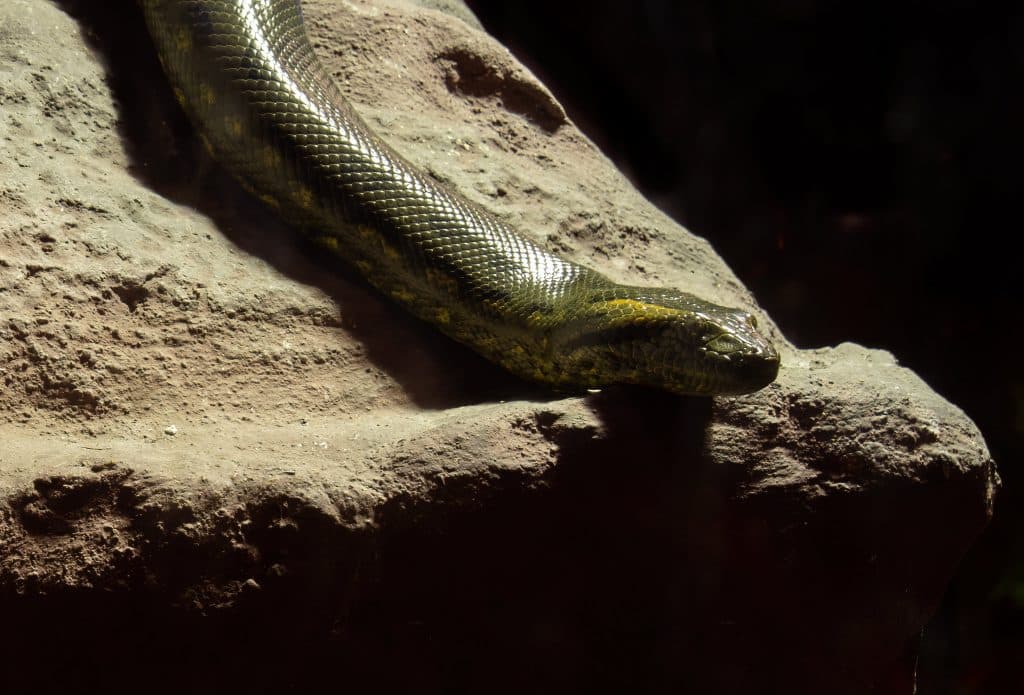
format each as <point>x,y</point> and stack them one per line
<point>759,369</point>
<point>744,359</point>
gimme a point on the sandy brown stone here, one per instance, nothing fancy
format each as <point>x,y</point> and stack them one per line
<point>200,417</point>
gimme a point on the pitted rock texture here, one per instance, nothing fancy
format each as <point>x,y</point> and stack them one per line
<point>228,460</point>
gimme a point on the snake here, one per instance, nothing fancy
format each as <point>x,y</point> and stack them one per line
<point>269,111</point>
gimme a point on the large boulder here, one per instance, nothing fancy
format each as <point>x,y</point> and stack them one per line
<point>226,460</point>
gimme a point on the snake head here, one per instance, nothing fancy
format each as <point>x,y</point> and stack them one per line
<point>664,339</point>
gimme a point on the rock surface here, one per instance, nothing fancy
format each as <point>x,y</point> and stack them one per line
<point>222,453</point>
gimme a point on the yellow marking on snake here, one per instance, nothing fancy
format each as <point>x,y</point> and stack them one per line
<point>235,126</point>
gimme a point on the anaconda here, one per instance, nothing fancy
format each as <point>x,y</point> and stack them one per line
<point>246,73</point>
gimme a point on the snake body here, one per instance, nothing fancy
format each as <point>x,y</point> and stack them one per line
<point>246,73</point>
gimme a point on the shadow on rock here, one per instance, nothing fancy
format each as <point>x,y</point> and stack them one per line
<point>166,155</point>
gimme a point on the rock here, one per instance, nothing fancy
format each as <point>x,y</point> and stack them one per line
<point>351,493</point>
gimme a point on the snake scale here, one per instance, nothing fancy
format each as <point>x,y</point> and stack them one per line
<point>246,73</point>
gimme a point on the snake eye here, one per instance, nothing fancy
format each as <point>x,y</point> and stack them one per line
<point>752,321</point>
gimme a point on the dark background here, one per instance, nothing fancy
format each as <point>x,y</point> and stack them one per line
<point>858,165</point>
